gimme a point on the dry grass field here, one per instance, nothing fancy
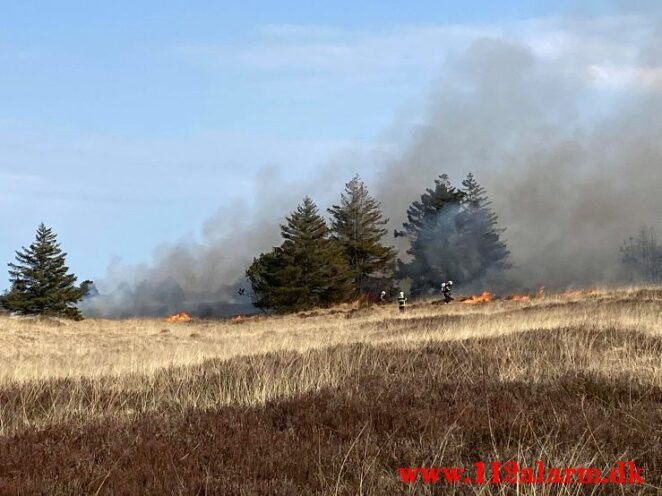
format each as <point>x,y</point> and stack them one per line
<point>333,401</point>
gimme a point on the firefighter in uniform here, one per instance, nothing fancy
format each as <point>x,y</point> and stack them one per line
<point>446,290</point>
<point>402,301</point>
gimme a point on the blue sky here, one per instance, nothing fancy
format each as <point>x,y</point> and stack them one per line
<point>125,125</point>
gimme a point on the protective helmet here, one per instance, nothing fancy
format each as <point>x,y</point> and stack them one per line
<point>450,283</point>
<point>402,294</point>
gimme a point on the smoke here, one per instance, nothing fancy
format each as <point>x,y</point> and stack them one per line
<point>206,277</point>
<point>559,122</point>
<point>570,177</point>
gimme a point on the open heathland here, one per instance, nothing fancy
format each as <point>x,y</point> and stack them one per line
<point>334,401</point>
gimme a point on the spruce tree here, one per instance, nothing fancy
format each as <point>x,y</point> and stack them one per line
<point>642,256</point>
<point>308,269</point>
<point>432,228</point>
<point>40,280</point>
<point>480,234</point>
<point>357,224</point>
<point>454,235</point>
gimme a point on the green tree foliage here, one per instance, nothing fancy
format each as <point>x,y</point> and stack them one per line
<point>357,224</point>
<point>481,235</point>
<point>643,256</point>
<point>453,235</point>
<point>40,282</point>
<point>432,232</point>
<point>308,270</point>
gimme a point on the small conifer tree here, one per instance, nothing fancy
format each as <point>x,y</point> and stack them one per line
<point>357,224</point>
<point>453,235</point>
<point>432,231</point>
<point>481,234</point>
<point>308,269</point>
<point>40,282</point>
<point>642,256</point>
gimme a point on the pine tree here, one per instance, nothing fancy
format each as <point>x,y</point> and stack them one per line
<point>432,231</point>
<point>308,270</point>
<point>642,256</point>
<point>454,235</point>
<point>481,236</point>
<point>40,282</point>
<point>357,224</point>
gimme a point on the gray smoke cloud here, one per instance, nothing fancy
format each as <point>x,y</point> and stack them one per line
<point>560,122</point>
<point>204,277</point>
<point>570,177</point>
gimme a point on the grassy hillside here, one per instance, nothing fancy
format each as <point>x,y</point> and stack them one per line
<point>333,401</point>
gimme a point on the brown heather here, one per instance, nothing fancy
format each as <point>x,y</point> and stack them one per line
<point>333,401</point>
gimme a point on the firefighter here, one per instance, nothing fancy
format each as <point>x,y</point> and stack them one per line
<point>402,301</point>
<point>446,290</point>
<point>382,297</point>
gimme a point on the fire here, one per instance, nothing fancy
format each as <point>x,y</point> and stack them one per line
<point>487,296</point>
<point>238,319</point>
<point>484,297</point>
<point>521,297</point>
<point>527,297</point>
<point>179,317</point>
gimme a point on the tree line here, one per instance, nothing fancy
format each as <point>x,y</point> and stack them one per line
<point>452,233</point>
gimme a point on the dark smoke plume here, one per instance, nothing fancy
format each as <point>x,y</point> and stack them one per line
<point>568,147</point>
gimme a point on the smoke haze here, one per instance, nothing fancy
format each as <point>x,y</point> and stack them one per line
<point>570,177</point>
<point>560,121</point>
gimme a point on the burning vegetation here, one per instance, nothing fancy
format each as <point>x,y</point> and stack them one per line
<point>484,297</point>
<point>179,317</point>
<point>488,296</point>
<point>519,297</point>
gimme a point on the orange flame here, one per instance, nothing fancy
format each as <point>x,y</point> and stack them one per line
<point>520,297</point>
<point>238,319</point>
<point>484,297</point>
<point>179,317</point>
